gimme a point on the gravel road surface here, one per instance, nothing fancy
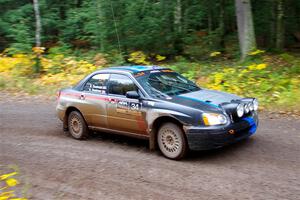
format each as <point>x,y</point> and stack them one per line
<point>55,166</point>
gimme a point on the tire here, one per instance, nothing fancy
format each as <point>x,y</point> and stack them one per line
<point>77,126</point>
<point>171,141</point>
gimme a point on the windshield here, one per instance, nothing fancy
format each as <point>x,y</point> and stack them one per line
<point>165,84</point>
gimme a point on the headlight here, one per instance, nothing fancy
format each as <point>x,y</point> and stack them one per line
<point>240,110</point>
<point>255,104</point>
<point>214,119</point>
<point>246,108</point>
<point>251,106</point>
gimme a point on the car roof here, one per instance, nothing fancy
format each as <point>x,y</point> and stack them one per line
<point>133,68</point>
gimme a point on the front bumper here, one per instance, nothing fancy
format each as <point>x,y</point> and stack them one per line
<point>204,138</point>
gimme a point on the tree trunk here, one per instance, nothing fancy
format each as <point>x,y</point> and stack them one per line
<point>210,27</point>
<point>178,16</point>
<point>38,26</point>
<point>222,25</point>
<point>178,27</point>
<point>272,34</point>
<point>100,34</point>
<point>245,27</point>
<point>209,20</point>
<point>280,25</point>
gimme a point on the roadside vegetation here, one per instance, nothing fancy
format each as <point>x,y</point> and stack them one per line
<point>273,78</point>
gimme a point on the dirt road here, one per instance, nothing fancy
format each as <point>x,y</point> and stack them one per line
<point>55,166</point>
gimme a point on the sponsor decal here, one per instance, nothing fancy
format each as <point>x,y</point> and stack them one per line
<point>99,89</point>
<point>150,103</point>
<point>166,70</point>
<point>139,74</point>
<point>126,107</point>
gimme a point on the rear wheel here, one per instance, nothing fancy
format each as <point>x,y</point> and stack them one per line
<point>77,125</point>
<point>171,141</point>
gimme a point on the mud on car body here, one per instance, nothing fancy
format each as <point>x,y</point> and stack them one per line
<point>159,105</point>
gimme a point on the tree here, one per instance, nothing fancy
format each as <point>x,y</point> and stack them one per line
<point>245,27</point>
<point>280,25</point>
<point>192,28</point>
<point>221,28</point>
<point>178,16</point>
<point>38,27</point>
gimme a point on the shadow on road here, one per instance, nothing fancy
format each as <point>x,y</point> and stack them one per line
<point>134,143</point>
<point>227,151</point>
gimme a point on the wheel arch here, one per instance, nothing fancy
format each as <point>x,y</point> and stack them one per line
<point>155,127</point>
<point>68,111</point>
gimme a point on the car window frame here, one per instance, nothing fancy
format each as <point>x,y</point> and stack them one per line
<point>94,92</point>
<point>140,91</point>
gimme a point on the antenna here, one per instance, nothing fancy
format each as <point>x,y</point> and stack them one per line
<point>116,28</point>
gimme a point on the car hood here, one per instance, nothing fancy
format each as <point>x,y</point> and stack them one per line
<point>204,99</point>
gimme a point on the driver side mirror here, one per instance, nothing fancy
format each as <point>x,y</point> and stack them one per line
<point>132,95</point>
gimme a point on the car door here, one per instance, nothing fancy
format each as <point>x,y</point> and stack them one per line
<point>94,95</point>
<point>124,114</point>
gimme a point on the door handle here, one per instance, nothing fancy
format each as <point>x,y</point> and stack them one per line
<point>82,97</point>
<point>112,100</point>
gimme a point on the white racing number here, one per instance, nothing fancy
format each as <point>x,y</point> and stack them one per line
<point>135,106</point>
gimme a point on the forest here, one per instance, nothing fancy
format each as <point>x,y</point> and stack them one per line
<point>248,47</point>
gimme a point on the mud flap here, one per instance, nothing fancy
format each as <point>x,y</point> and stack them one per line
<point>152,141</point>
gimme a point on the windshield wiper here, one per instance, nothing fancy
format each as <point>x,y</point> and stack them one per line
<point>157,92</point>
<point>182,88</point>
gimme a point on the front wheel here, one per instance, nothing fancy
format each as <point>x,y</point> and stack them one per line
<point>77,126</point>
<point>171,141</point>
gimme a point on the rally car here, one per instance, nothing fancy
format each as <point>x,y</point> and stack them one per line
<point>157,104</point>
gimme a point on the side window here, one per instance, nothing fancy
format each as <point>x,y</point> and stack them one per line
<point>120,84</point>
<point>97,84</point>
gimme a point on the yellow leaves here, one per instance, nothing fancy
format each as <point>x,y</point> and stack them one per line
<point>215,87</point>
<point>19,64</point>
<point>5,176</point>
<point>215,53</point>
<point>7,195</point>
<point>218,77</point>
<point>57,70</point>
<point>261,66</point>
<point>252,67</point>
<point>256,52</point>
<point>160,58</point>
<point>236,79</point>
<point>8,184</point>
<point>38,50</point>
<point>138,57</point>
<point>257,67</point>
<point>229,70</point>
<point>12,182</point>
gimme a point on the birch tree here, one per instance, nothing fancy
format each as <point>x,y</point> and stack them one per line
<point>178,16</point>
<point>245,27</point>
<point>38,26</point>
